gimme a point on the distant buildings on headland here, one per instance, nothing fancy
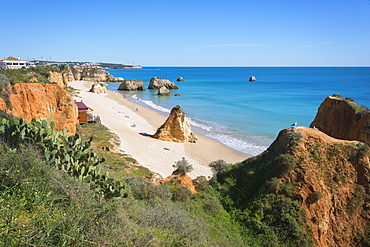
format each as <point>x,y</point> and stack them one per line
<point>17,63</point>
<point>14,63</point>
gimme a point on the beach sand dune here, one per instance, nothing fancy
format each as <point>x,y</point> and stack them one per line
<point>134,124</point>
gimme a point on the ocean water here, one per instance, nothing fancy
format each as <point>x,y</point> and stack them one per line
<point>243,115</point>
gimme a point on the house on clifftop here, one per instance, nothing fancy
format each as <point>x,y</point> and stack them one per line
<point>14,63</point>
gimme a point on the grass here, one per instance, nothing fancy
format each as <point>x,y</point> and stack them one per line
<point>41,206</point>
<point>72,91</point>
<point>357,108</point>
<point>119,164</point>
<point>101,134</point>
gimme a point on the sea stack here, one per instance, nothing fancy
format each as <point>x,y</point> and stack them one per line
<point>176,128</point>
<point>164,91</point>
<point>180,79</point>
<point>132,85</point>
<point>98,87</point>
<point>157,83</point>
<point>252,78</point>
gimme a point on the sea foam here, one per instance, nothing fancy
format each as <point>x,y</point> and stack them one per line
<point>215,131</point>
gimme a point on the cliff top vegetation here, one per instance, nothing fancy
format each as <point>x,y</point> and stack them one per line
<point>57,190</point>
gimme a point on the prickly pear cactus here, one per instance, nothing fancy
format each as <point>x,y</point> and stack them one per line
<point>69,154</point>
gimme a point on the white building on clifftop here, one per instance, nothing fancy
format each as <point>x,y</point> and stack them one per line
<point>14,63</point>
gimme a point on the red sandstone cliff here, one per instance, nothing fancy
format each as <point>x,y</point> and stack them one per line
<point>180,179</point>
<point>332,177</point>
<point>43,101</point>
<point>343,119</point>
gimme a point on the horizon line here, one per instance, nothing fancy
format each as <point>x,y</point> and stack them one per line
<point>254,65</point>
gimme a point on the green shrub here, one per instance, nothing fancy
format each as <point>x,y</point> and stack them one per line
<point>182,166</point>
<point>144,189</point>
<point>181,194</point>
<point>314,197</point>
<point>201,183</point>
<point>283,164</point>
<point>4,82</point>
<point>219,167</point>
<point>5,90</point>
<point>272,185</point>
<point>212,206</point>
<point>4,115</point>
<point>293,138</point>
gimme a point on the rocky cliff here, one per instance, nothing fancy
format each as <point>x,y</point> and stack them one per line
<point>42,101</point>
<point>68,74</point>
<point>332,180</point>
<point>343,119</point>
<point>176,128</point>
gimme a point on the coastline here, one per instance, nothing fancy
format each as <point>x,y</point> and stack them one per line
<point>120,116</point>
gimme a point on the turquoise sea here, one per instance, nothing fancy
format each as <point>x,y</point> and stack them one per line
<point>247,116</point>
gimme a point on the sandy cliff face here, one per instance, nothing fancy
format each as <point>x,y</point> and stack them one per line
<point>176,128</point>
<point>342,119</point>
<point>180,179</point>
<point>43,101</point>
<point>332,177</point>
<point>82,74</point>
<point>62,78</point>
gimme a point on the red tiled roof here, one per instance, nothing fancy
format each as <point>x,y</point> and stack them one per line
<point>81,105</point>
<point>11,59</point>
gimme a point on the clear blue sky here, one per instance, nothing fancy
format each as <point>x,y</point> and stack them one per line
<point>189,32</point>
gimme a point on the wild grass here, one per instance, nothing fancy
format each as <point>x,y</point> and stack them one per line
<point>119,163</point>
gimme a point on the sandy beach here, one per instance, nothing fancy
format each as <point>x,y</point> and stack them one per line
<point>128,120</point>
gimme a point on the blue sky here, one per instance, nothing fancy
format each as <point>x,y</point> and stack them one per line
<point>189,32</point>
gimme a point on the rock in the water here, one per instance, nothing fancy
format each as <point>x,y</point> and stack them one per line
<point>132,85</point>
<point>98,87</point>
<point>176,128</point>
<point>157,83</point>
<point>252,78</point>
<point>164,91</point>
<point>180,79</point>
<point>177,94</point>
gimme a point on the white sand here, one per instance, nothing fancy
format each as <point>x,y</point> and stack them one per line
<point>120,116</point>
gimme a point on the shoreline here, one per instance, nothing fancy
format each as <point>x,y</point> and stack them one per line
<point>197,130</point>
<point>119,115</point>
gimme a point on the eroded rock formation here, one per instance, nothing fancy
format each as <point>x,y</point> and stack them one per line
<point>180,79</point>
<point>343,119</point>
<point>164,91</point>
<point>68,74</point>
<point>98,87</point>
<point>132,85</point>
<point>157,83</point>
<point>332,178</point>
<point>180,179</point>
<point>176,128</point>
<point>42,101</point>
